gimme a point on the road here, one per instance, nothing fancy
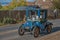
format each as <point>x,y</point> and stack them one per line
<point>10,32</point>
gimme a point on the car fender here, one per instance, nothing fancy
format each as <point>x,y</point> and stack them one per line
<point>49,23</point>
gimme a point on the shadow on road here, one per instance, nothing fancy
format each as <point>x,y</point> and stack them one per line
<point>55,29</point>
<point>44,33</point>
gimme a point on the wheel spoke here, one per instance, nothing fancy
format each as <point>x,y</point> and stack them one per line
<point>36,32</point>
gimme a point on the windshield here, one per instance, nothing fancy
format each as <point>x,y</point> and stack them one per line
<point>33,15</point>
<point>42,15</point>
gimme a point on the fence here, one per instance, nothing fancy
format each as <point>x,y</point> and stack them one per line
<point>12,14</point>
<point>18,15</point>
<point>54,15</point>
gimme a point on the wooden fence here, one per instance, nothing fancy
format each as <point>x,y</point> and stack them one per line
<point>18,15</point>
<point>12,14</point>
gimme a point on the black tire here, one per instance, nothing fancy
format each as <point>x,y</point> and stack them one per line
<point>36,32</point>
<point>21,31</point>
<point>49,29</point>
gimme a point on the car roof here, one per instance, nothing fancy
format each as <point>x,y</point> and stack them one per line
<point>28,8</point>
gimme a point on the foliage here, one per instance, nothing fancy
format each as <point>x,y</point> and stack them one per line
<point>8,20</point>
<point>0,6</point>
<point>56,4</point>
<point>1,22</point>
<point>14,4</point>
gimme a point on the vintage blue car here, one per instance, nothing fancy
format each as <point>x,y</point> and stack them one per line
<point>35,21</point>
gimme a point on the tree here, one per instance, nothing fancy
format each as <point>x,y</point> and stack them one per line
<point>13,4</point>
<point>22,3</point>
<point>5,8</point>
<point>56,4</point>
<point>16,3</point>
<point>0,6</point>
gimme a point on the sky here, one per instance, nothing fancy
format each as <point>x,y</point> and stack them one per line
<point>6,2</point>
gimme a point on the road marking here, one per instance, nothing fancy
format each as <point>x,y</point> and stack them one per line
<point>7,32</point>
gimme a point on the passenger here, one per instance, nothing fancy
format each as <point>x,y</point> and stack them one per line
<point>33,18</point>
<point>24,19</point>
<point>41,17</point>
<point>37,17</point>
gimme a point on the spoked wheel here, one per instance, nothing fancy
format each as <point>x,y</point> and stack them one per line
<point>21,31</point>
<point>49,28</point>
<point>36,32</point>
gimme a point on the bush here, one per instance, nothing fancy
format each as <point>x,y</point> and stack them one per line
<point>1,22</point>
<point>13,21</point>
<point>9,20</point>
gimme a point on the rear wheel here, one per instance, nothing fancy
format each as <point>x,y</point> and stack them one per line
<point>36,32</point>
<point>21,31</point>
<point>49,28</point>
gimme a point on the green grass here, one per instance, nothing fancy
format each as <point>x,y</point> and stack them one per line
<point>1,24</point>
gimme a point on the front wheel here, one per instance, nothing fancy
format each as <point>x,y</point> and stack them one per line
<point>36,32</point>
<point>49,28</point>
<point>21,31</point>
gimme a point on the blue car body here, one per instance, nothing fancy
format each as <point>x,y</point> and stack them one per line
<point>32,24</point>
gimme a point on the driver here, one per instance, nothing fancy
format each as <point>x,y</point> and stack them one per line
<point>33,18</point>
<point>37,17</point>
<point>41,17</point>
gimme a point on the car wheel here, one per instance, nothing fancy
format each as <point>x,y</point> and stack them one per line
<point>36,32</point>
<point>21,31</point>
<point>49,29</point>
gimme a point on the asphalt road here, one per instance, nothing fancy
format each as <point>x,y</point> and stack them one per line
<point>10,32</point>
